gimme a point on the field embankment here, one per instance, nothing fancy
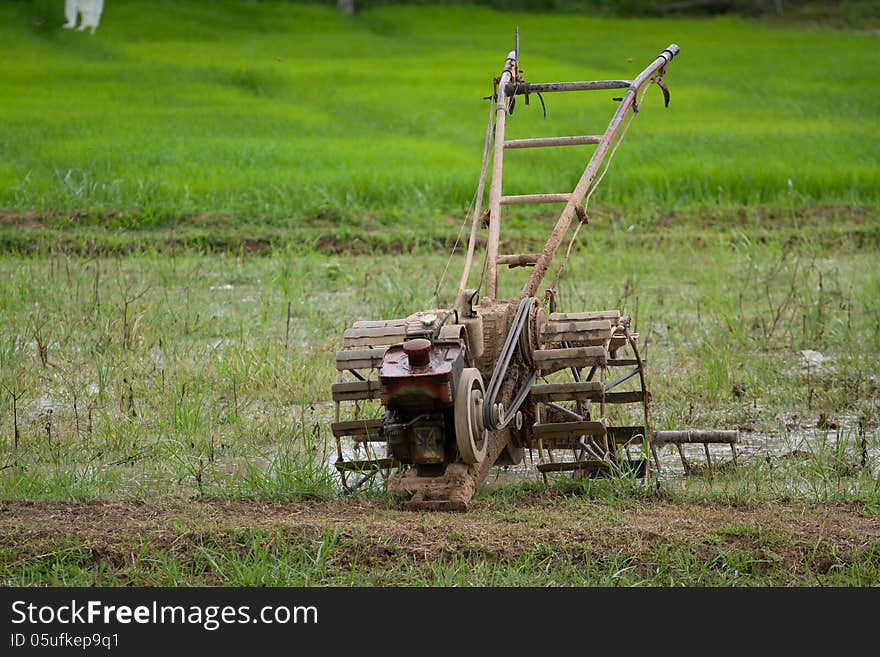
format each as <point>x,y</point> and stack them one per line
<point>523,539</point>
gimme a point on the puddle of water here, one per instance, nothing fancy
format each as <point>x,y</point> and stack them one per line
<point>799,442</point>
<point>805,443</point>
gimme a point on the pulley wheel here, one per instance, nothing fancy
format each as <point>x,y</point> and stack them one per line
<point>470,434</point>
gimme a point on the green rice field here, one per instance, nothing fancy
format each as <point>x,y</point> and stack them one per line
<point>197,200</point>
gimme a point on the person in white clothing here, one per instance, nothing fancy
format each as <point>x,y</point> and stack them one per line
<point>90,10</point>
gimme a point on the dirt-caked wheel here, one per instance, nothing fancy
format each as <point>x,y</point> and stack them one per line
<point>470,434</point>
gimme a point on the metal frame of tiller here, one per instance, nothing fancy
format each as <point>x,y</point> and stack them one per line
<point>547,374</point>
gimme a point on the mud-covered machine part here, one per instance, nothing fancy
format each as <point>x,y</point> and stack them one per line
<point>432,401</point>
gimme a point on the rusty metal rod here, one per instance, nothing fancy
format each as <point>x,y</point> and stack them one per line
<point>583,186</point>
<point>550,87</point>
<point>494,236</point>
<point>518,259</point>
<point>543,142</point>
<point>621,379</point>
<point>527,199</point>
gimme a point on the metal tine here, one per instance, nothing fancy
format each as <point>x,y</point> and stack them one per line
<point>684,461</point>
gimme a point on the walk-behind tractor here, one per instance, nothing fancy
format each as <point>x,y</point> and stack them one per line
<point>466,388</point>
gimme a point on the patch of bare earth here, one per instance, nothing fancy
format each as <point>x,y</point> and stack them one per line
<point>792,531</point>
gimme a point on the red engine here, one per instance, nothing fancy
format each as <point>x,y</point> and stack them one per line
<point>418,382</point>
